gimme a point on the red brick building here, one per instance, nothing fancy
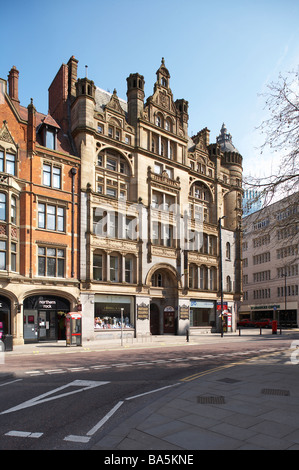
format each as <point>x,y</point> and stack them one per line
<point>39,175</point>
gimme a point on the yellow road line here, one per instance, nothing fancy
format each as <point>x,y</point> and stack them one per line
<point>201,374</point>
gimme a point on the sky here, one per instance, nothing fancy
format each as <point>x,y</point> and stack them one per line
<point>220,55</point>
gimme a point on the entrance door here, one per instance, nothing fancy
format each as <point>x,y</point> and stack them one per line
<point>169,322</point>
<point>47,325</point>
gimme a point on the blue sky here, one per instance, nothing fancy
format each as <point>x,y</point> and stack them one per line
<point>220,54</point>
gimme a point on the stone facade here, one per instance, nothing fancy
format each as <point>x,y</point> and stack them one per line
<point>143,202</point>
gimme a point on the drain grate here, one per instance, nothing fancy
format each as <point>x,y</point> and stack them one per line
<point>213,400</point>
<point>275,391</point>
<point>228,380</point>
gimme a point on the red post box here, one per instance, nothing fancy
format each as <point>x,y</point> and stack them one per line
<point>73,329</point>
<point>274,327</point>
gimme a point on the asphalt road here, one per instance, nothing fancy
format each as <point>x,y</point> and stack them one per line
<point>68,401</point>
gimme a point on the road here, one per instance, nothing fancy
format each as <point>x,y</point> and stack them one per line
<point>69,401</point>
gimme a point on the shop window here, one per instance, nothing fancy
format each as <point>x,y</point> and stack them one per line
<point>51,261</point>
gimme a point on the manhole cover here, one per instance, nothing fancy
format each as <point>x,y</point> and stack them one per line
<point>275,391</point>
<point>214,400</point>
<point>228,380</point>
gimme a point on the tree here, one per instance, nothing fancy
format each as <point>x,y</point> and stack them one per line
<point>281,135</point>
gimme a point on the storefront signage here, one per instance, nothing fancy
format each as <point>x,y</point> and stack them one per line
<point>184,312</point>
<point>265,307</point>
<point>142,311</point>
<point>47,304</point>
<point>201,304</point>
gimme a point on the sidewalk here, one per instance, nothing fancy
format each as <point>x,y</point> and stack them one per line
<point>253,405</point>
<point>145,341</point>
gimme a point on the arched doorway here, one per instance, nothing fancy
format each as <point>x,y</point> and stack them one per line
<point>44,317</point>
<point>5,307</point>
<point>164,304</point>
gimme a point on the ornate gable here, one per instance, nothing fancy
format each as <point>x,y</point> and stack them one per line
<point>5,135</point>
<point>114,104</point>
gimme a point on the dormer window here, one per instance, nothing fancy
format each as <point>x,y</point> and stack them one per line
<point>50,139</point>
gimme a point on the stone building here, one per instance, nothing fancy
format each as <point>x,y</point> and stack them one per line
<point>151,201</point>
<point>270,263</point>
<point>145,201</point>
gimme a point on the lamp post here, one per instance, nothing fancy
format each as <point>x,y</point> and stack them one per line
<point>221,275</point>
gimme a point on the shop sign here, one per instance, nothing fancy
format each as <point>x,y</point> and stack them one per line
<point>142,311</point>
<point>184,312</point>
<point>219,305</point>
<point>265,307</point>
<point>46,304</point>
<point>201,304</point>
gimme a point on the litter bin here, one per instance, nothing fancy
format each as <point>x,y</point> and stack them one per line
<point>7,342</point>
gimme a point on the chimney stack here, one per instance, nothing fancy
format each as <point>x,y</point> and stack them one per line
<point>13,86</point>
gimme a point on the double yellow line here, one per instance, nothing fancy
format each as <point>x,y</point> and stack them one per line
<point>206,372</point>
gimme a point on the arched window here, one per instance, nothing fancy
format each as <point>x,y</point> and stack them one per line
<point>228,284</point>
<point>227,250</point>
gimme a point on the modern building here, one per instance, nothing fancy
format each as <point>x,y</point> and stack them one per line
<point>270,263</point>
<point>152,204</point>
<point>39,177</point>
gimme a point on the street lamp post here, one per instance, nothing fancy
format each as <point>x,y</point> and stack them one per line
<point>221,274</point>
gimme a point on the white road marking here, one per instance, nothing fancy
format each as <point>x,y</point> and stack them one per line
<point>8,383</point>
<point>34,435</point>
<point>83,384</point>
<point>103,420</point>
<point>152,391</point>
<point>74,438</point>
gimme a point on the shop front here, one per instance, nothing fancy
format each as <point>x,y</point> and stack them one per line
<point>107,315</point>
<point>44,318</point>
<point>5,308</point>
<point>202,315</point>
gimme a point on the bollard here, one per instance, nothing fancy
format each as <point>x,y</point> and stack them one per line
<point>260,331</point>
<point>239,331</point>
<point>187,335</point>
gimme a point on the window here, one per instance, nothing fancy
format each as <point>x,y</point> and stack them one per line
<point>128,269</point>
<point>228,284</point>
<point>51,217</point>
<point>13,257</point>
<point>51,261</point>
<point>97,267</point>
<point>114,269</point>
<point>228,251</point>
<point>7,162</point>
<point>51,139</point>
<point>100,128</point>
<point>13,210</point>
<point>2,255</point>
<point>51,176</point>
<point>2,206</point>
<point>158,121</point>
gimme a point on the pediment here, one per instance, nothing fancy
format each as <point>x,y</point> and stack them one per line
<point>114,104</point>
<point>5,135</point>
